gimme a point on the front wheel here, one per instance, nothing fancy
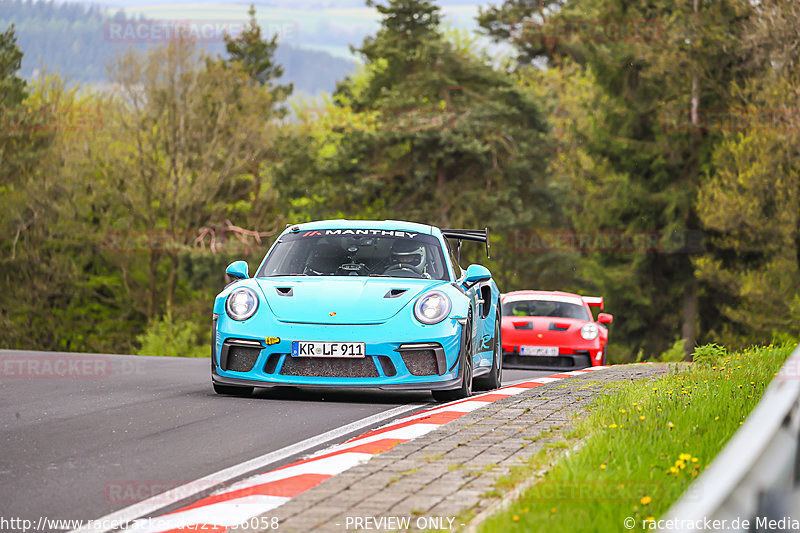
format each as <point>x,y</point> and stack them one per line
<point>465,390</point>
<point>495,377</point>
<point>232,390</point>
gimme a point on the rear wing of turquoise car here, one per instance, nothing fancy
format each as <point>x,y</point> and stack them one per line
<point>477,235</point>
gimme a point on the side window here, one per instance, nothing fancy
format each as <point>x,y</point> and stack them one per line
<point>456,267</point>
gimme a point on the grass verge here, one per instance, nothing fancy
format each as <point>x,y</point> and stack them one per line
<point>645,443</point>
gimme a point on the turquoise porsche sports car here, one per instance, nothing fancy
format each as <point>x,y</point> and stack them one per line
<point>368,304</point>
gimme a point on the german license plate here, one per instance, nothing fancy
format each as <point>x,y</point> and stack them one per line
<point>538,350</point>
<point>328,349</point>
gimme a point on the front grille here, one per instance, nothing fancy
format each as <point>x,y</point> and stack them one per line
<point>420,362</point>
<point>387,366</point>
<point>272,363</point>
<point>334,367</point>
<point>242,359</point>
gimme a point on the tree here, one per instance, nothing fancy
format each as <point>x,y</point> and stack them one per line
<point>21,138</point>
<point>256,55</point>
<point>12,87</point>
<point>184,131</point>
<point>427,131</point>
<point>634,154</point>
<point>751,204</point>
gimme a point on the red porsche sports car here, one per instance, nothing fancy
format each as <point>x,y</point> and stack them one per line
<point>543,329</point>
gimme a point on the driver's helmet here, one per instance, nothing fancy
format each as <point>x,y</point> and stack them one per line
<point>408,254</point>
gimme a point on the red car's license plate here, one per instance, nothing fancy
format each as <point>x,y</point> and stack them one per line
<point>538,350</point>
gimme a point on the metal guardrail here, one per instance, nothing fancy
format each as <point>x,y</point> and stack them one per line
<point>755,479</point>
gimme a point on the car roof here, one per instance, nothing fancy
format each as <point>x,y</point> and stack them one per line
<point>544,295</point>
<point>342,223</point>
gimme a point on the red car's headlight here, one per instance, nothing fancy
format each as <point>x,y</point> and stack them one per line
<point>590,331</point>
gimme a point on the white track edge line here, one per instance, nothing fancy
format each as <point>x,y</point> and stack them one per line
<point>154,503</point>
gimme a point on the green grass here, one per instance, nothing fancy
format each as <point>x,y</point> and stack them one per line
<point>644,444</point>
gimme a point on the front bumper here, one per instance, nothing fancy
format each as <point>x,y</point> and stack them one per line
<point>258,354</point>
<point>573,361</point>
<point>570,357</point>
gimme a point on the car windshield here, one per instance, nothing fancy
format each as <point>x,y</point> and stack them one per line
<point>545,308</point>
<point>356,252</point>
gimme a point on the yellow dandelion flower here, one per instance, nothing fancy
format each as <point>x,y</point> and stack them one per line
<point>515,518</point>
<point>695,459</point>
<point>612,426</point>
<point>685,456</point>
<point>623,411</point>
<point>641,417</point>
<point>646,500</point>
<point>602,467</point>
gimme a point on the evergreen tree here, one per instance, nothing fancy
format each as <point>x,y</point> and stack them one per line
<point>256,54</point>
<point>12,87</point>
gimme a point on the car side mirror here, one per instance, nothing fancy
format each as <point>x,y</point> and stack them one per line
<point>238,270</point>
<point>476,274</point>
<point>605,318</point>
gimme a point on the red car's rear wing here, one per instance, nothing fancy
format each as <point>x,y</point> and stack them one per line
<point>593,301</point>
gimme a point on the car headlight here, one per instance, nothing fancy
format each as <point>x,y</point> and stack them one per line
<point>589,331</point>
<point>241,303</point>
<point>432,307</point>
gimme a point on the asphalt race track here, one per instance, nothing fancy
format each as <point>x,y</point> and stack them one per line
<point>83,435</point>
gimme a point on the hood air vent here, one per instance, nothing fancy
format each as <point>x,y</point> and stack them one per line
<point>394,293</point>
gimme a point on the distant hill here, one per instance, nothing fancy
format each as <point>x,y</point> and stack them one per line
<point>73,40</point>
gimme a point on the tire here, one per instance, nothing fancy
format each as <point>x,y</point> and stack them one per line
<point>495,377</point>
<point>465,390</point>
<point>232,390</point>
